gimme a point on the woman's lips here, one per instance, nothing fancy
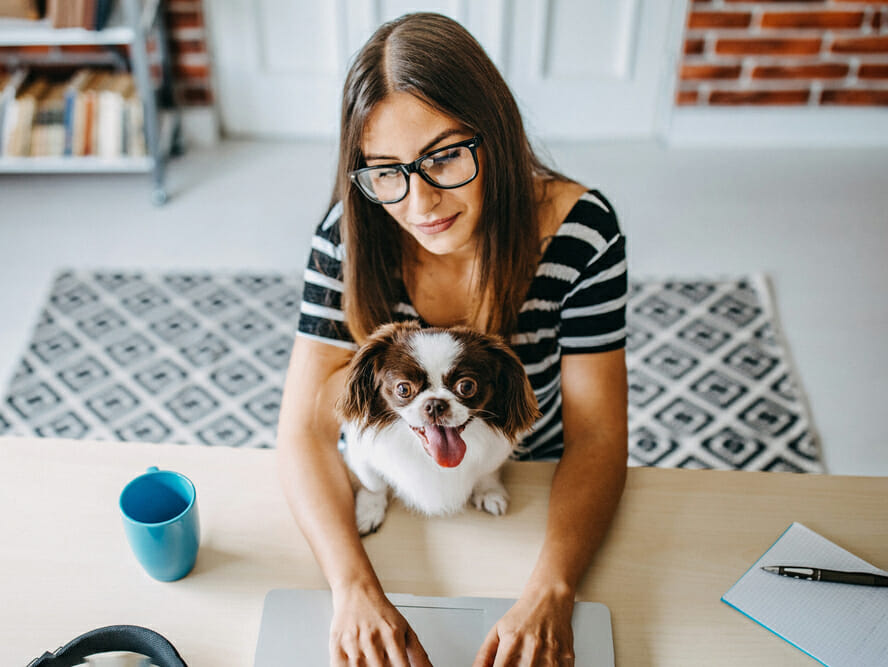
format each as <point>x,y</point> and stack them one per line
<point>437,226</point>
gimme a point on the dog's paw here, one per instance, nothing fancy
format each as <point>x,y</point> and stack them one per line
<point>492,499</point>
<point>369,510</point>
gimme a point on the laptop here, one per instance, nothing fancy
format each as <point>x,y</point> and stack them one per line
<point>295,628</point>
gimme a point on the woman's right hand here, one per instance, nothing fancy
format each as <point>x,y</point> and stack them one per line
<point>368,630</point>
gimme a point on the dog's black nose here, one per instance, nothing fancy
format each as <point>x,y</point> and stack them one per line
<point>435,407</point>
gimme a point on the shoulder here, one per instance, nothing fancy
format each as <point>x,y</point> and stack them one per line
<point>330,228</point>
<point>592,211</point>
<point>587,230</point>
<point>327,249</point>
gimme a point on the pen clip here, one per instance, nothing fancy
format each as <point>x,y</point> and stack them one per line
<point>800,572</point>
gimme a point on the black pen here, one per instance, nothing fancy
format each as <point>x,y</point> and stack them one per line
<point>835,576</point>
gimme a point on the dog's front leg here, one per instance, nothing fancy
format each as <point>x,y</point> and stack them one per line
<point>489,494</point>
<point>371,497</point>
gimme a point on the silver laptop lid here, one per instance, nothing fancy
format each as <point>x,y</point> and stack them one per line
<point>296,627</point>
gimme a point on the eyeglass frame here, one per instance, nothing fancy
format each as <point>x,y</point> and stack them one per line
<point>408,168</point>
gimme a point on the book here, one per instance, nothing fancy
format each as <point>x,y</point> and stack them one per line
<point>839,625</point>
<point>48,125</point>
<point>72,92</point>
<point>103,11</point>
<point>91,111</point>
<point>8,110</point>
<point>110,123</point>
<point>26,106</point>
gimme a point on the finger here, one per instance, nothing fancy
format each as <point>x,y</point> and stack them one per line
<point>344,650</point>
<point>533,652</point>
<point>397,650</point>
<point>509,650</point>
<point>487,652</point>
<point>338,658</point>
<point>415,652</point>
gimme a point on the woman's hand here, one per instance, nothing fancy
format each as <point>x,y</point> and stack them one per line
<point>535,632</point>
<point>368,630</point>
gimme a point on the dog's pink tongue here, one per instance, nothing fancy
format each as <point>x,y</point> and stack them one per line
<point>445,445</point>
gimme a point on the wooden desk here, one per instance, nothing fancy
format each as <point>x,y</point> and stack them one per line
<point>679,541</point>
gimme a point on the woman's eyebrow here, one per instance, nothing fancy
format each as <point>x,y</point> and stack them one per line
<point>425,149</point>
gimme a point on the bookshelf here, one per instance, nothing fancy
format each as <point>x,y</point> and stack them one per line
<point>130,24</point>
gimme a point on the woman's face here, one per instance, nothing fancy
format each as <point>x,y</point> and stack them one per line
<point>400,129</point>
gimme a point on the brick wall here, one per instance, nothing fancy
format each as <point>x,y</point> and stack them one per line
<point>789,53</point>
<point>189,52</point>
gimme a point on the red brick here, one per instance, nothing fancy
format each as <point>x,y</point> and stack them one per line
<point>817,71</point>
<point>855,97</point>
<point>185,20</point>
<point>694,47</point>
<point>710,72</point>
<point>686,97</point>
<point>189,71</point>
<point>195,96</point>
<point>188,46</point>
<point>184,6</point>
<point>777,2</point>
<point>758,46</point>
<point>821,20</point>
<point>860,45</point>
<point>760,97</point>
<point>704,20</point>
<point>873,71</point>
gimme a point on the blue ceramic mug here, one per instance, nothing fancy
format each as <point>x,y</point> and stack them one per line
<point>160,519</point>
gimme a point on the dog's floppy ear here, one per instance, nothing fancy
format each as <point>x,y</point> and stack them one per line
<point>514,402</point>
<point>361,399</point>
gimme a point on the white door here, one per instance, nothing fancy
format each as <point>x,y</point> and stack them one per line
<point>579,68</point>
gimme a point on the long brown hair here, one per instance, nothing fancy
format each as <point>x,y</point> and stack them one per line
<point>435,59</point>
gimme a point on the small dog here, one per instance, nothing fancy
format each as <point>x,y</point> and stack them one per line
<point>433,414</point>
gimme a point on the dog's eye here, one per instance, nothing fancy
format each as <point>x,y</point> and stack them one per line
<point>403,389</point>
<point>466,387</point>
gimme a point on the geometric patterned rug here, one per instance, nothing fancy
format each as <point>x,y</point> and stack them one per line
<point>711,384</point>
<point>200,358</point>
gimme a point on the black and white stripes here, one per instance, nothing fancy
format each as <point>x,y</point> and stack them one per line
<point>576,304</point>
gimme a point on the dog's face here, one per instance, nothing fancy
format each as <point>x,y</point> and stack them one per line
<point>438,381</point>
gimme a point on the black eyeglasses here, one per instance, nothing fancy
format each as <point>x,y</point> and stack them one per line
<point>449,167</point>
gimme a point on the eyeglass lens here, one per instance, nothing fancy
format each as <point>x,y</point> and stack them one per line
<point>449,167</point>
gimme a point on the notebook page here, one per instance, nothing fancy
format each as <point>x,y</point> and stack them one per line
<point>839,625</point>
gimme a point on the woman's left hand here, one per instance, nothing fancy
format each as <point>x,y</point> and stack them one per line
<point>535,632</point>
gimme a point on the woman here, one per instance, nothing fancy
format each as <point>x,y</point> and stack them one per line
<point>442,213</point>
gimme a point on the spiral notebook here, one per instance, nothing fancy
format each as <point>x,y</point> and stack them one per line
<point>839,625</point>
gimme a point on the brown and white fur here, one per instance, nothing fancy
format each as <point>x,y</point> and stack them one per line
<point>432,414</point>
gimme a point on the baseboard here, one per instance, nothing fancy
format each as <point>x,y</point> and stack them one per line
<point>816,128</point>
<point>200,126</point>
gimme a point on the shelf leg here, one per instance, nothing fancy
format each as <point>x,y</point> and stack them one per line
<point>142,74</point>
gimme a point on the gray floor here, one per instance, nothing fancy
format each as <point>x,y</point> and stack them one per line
<point>815,220</point>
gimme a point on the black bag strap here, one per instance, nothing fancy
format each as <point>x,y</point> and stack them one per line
<point>113,638</point>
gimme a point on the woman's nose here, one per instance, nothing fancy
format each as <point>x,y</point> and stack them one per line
<point>422,197</point>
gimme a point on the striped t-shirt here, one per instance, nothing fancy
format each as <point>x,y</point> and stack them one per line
<point>576,304</point>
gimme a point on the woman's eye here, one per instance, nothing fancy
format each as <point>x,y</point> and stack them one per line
<point>387,175</point>
<point>403,389</point>
<point>466,388</point>
<point>444,158</point>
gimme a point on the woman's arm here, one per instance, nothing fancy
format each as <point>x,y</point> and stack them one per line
<point>320,496</point>
<point>586,489</point>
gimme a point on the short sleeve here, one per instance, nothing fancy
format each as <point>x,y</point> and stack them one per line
<point>321,316</point>
<point>593,312</point>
